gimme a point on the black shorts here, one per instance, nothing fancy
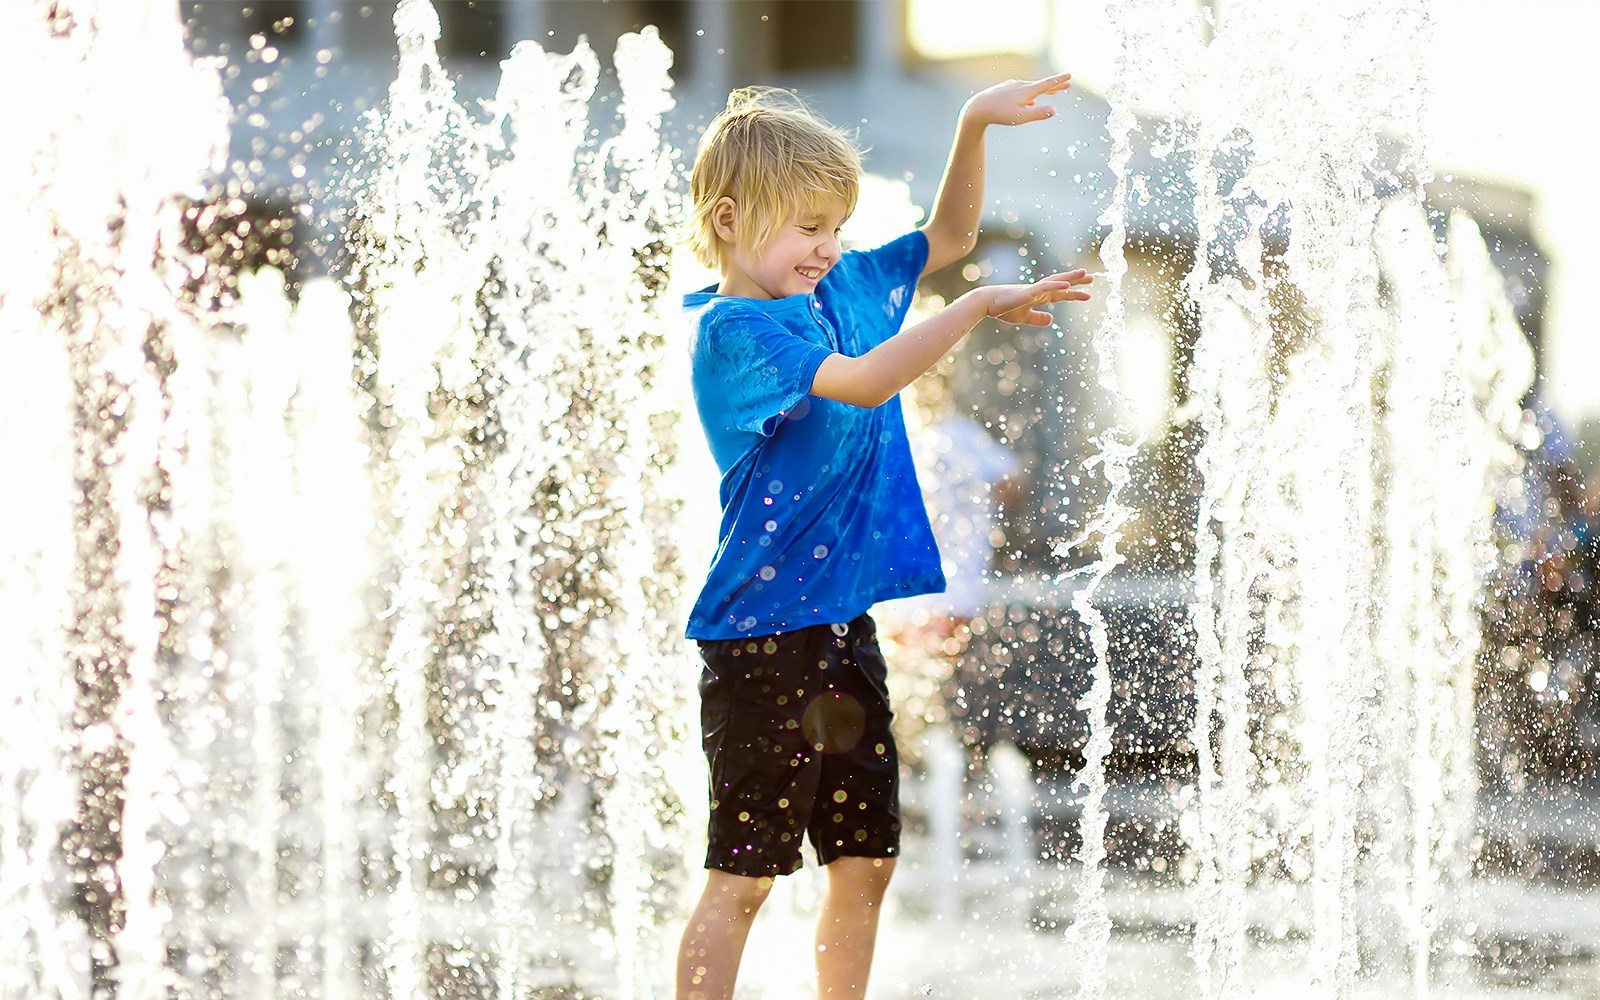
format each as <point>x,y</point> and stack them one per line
<point>796,730</point>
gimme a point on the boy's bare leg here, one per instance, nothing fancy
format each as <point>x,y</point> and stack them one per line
<point>848,927</point>
<point>713,943</point>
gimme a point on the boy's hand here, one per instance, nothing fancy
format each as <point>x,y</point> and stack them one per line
<point>1019,304</point>
<point>1012,102</point>
<point>952,229</point>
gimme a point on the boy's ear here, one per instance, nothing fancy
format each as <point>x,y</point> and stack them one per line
<point>724,219</point>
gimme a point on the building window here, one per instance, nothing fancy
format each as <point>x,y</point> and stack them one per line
<point>473,29</point>
<point>814,34</point>
<point>948,29</point>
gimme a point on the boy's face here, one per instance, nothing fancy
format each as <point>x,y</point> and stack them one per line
<point>799,253</point>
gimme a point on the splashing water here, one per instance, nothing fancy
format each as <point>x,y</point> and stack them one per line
<point>340,628</point>
<point>93,546</point>
<point>1090,930</point>
<point>1341,648</point>
<point>331,682</point>
<point>539,274</point>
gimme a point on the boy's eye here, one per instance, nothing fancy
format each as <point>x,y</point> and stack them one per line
<point>808,230</point>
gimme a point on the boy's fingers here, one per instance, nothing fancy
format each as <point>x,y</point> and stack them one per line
<point>1052,84</point>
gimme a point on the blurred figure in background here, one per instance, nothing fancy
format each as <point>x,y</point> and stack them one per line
<point>966,476</point>
<point>1539,686</point>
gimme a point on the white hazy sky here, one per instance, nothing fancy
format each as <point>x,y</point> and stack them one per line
<point>1507,106</point>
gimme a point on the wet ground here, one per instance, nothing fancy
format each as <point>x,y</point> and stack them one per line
<point>1008,942</point>
<point>989,927</point>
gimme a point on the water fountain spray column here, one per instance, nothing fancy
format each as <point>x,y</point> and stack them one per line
<point>548,596</point>
<point>578,232</point>
<point>1316,144</point>
<point>1457,370</point>
<point>1234,138</point>
<point>1230,377</point>
<point>421,266</point>
<point>540,225</point>
<point>643,714</point>
<point>1116,447</point>
<point>1149,34</point>
<point>96,251</point>
<point>37,570</point>
<point>331,564</point>
<point>1286,144</point>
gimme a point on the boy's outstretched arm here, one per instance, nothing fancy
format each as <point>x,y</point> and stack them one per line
<point>952,230</point>
<point>874,378</point>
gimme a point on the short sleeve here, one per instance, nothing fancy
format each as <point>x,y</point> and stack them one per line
<point>887,275</point>
<point>759,370</point>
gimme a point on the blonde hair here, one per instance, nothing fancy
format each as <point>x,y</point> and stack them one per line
<point>769,153</point>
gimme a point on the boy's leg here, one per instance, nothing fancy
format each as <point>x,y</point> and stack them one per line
<point>764,773</point>
<point>856,823</point>
<point>848,926</point>
<point>713,943</point>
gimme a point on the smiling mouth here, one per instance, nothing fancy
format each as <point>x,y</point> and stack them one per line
<point>809,273</point>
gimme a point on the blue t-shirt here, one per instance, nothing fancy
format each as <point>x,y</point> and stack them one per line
<point>822,516</point>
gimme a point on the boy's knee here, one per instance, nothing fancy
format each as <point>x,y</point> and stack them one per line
<point>740,893</point>
<point>864,876</point>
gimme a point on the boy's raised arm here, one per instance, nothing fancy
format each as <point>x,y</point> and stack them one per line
<point>952,229</point>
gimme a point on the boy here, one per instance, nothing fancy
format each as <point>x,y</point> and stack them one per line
<point>798,359</point>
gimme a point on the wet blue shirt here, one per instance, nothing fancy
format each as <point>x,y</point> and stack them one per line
<point>821,512</point>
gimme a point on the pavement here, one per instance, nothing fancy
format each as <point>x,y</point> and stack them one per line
<point>995,924</point>
<point>1012,942</point>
